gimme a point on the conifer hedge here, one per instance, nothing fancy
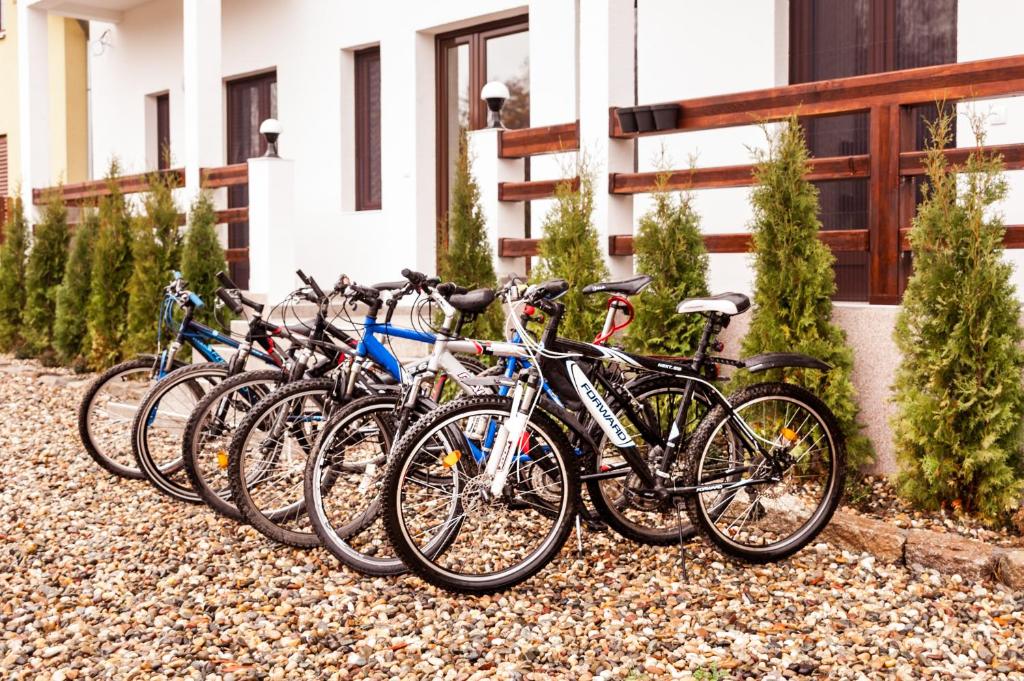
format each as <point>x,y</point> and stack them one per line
<point>13,255</point>
<point>202,257</point>
<point>570,250</point>
<point>44,273</point>
<point>70,329</point>
<point>794,283</point>
<point>958,388</point>
<point>668,247</point>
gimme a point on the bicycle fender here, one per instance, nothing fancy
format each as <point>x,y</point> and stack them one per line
<point>779,360</point>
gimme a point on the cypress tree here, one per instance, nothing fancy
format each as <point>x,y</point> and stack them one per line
<point>44,272</point>
<point>12,278</point>
<point>155,255</point>
<point>469,259</point>
<point>70,329</point>
<point>794,283</point>
<point>111,270</point>
<point>569,250</point>
<point>669,248</point>
<point>958,388</point>
<point>202,256</point>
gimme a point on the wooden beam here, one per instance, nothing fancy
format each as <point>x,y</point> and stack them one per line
<point>225,176</point>
<point>999,77</point>
<point>528,191</point>
<point>839,241</point>
<point>913,162</point>
<point>883,206</point>
<point>517,248</point>
<point>1014,238</point>
<point>128,184</point>
<point>236,254</point>
<point>232,216</point>
<point>551,139</point>
<point>827,168</point>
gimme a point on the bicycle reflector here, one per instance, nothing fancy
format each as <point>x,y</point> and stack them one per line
<point>451,458</point>
<point>789,435</point>
<point>222,459</point>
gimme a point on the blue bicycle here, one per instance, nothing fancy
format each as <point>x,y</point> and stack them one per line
<point>110,403</point>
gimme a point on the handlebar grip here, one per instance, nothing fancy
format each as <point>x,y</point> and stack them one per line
<point>414,277</point>
<point>225,280</point>
<point>450,288</point>
<point>195,300</point>
<point>229,302</point>
<point>316,288</point>
<point>302,277</point>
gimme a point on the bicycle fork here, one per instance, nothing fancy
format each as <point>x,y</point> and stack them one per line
<point>508,439</point>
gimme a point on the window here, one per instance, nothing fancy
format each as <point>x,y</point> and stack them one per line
<point>840,38</point>
<point>466,61</point>
<point>367,105</point>
<point>163,131</point>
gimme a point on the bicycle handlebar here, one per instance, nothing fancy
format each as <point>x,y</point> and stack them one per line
<point>228,301</point>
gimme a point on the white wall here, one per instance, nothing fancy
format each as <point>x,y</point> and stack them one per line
<point>307,42</point>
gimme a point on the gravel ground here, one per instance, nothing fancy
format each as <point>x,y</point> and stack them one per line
<point>103,578</point>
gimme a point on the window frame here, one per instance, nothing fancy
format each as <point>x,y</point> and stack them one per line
<point>364,170</point>
<point>163,130</point>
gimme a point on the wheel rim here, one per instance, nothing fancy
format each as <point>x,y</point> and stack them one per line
<point>111,413</point>
<point>770,517</point>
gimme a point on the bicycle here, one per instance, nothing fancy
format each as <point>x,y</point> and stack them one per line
<point>754,463</point>
<point>113,398</point>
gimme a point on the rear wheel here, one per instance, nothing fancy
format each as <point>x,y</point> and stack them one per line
<point>204,446</point>
<point>107,411</point>
<point>267,459</point>
<point>760,508</point>
<point>159,426</point>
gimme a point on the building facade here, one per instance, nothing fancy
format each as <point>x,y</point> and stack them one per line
<point>372,97</point>
<point>66,118</point>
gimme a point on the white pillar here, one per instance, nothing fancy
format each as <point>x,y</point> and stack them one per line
<point>203,90</point>
<point>606,79</point>
<point>33,102</point>
<point>272,226</point>
<point>504,218</point>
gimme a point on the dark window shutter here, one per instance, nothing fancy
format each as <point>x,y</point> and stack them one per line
<point>163,131</point>
<point>367,108</point>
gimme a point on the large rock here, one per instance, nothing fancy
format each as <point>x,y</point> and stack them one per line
<point>1009,568</point>
<point>858,533</point>
<point>950,554</point>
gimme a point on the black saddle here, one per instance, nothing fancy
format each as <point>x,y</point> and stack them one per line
<point>627,287</point>
<point>473,302</point>
<point>724,303</point>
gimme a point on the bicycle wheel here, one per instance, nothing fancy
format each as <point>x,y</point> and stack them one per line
<point>107,410</point>
<point>204,445</point>
<point>635,513</point>
<point>343,480</point>
<point>267,459</point>
<point>784,505</point>
<point>443,522</point>
<point>160,424</point>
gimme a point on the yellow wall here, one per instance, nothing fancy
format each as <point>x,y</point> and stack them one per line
<point>68,97</point>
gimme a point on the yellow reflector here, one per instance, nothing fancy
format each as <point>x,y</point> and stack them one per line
<point>789,434</point>
<point>451,458</point>
<point>222,459</point>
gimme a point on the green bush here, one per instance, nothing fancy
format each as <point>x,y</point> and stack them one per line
<point>669,248</point>
<point>570,250</point>
<point>469,259</point>
<point>155,255</point>
<point>958,388</point>
<point>111,270</point>
<point>202,257</point>
<point>12,278</point>
<point>70,329</point>
<point>794,283</point>
<point>44,272</point>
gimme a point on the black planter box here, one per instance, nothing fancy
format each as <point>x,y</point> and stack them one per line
<point>665,116</point>
<point>627,119</point>
<point>644,119</point>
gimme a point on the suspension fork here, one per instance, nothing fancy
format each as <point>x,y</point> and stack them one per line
<point>508,439</point>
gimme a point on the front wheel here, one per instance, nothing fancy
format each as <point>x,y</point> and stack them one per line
<point>764,503</point>
<point>440,515</point>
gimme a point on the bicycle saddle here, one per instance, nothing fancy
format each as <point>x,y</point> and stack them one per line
<point>389,285</point>
<point>472,302</point>
<point>627,287</point>
<point>724,303</point>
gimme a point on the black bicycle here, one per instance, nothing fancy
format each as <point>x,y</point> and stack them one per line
<point>761,473</point>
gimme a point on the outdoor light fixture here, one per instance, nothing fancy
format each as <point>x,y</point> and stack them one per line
<point>271,129</point>
<point>495,93</point>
